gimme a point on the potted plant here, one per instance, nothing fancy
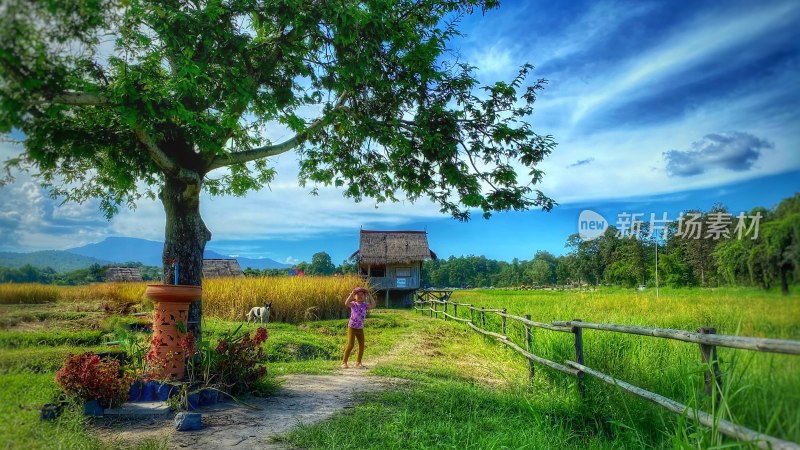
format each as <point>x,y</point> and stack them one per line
<point>99,383</point>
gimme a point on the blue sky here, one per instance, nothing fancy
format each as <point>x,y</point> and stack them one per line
<point>656,106</point>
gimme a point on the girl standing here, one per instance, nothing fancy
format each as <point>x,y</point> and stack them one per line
<point>358,305</point>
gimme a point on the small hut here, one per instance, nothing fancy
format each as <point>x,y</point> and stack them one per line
<point>392,261</point>
<point>215,268</point>
<point>123,274</point>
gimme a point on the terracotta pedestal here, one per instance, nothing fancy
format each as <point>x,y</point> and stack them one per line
<point>171,306</point>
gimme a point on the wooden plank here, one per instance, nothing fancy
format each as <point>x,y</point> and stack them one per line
<point>530,356</point>
<point>457,318</point>
<point>532,323</point>
<point>708,355</point>
<point>579,356</point>
<point>529,347</point>
<point>486,309</point>
<point>725,427</point>
<point>461,304</point>
<point>720,340</point>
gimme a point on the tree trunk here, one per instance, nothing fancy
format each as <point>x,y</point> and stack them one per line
<point>185,239</point>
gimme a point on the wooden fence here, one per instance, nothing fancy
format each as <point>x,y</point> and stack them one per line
<point>706,338</point>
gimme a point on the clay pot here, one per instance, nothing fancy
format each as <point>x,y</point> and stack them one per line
<point>175,293</point>
<point>171,306</point>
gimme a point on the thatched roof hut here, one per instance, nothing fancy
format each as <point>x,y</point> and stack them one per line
<point>123,274</point>
<point>393,247</point>
<point>214,268</point>
<point>392,261</point>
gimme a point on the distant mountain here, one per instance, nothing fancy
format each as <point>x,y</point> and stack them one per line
<point>60,261</point>
<point>125,249</point>
<point>261,263</point>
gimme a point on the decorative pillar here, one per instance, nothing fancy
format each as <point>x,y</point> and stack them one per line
<point>171,307</point>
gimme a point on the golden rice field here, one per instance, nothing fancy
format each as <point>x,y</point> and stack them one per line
<point>294,299</point>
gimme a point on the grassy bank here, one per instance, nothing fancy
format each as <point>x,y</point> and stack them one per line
<point>760,390</point>
<point>464,391</point>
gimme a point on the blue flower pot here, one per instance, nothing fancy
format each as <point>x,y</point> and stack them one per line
<point>194,401</point>
<point>149,391</point>
<point>209,396</point>
<point>92,409</point>
<point>163,391</point>
<point>135,392</point>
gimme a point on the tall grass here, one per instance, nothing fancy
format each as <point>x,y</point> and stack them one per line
<point>761,390</point>
<point>294,299</point>
<point>114,293</point>
<point>28,293</point>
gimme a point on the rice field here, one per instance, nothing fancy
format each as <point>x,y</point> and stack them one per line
<point>294,299</point>
<point>760,390</point>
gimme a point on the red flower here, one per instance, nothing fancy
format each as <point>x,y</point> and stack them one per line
<point>189,343</point>
<point>261,335</point>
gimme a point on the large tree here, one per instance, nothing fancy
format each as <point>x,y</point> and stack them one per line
<point>124,99</point>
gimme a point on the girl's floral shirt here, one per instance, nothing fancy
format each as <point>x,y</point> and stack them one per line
<point>357,313</point>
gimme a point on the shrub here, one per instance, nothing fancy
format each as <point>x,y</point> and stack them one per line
<point>234,365</point>
<point>88,377</point>
<point>239,359</point>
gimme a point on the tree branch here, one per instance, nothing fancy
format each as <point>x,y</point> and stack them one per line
<point>163,160</point>
<point>276,149</point>
<point>79,99</point>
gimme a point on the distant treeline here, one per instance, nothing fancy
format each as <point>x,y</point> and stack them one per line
<point>704,249</point>
<point>321,264</point>
<point>696,252</point>
<point>92,274</point>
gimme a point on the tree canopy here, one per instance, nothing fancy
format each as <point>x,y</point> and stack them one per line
<point>124,99</point>
<point>115,96</point>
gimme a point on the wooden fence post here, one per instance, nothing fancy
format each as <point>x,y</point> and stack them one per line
<point>455,310</point>
<point>483,318</point>
<point>577,331</point>
<point>431,306</point>
<point>708,354</point>
<point>504,322</point>
<point>529,345</point>
<point>445,310</point>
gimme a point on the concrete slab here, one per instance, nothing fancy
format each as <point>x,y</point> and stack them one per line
<point>140,409</point>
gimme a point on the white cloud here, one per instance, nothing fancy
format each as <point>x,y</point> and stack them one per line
<point>692,44</point>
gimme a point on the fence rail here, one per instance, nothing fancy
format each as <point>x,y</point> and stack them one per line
<point>719,340</point>
<point>707,339</point>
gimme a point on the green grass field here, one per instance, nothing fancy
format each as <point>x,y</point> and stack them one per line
<point>465,391</point>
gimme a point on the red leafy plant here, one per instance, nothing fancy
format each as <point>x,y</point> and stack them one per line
<point>155,364</point>
<point>88,377</point>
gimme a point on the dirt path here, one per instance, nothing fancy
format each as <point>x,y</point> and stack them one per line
<point>305,399</point>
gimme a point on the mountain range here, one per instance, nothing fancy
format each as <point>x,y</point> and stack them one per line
<point>58,260</point>
<point>116,250</point>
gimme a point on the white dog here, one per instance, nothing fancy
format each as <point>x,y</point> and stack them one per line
<point>260,313</point>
